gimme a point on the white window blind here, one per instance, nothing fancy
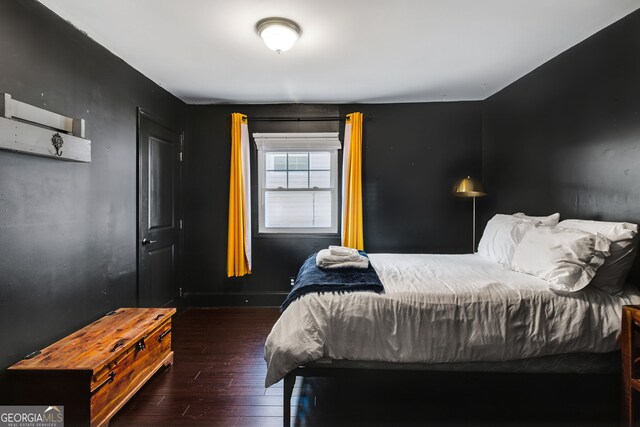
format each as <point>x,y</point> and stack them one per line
<point>298,182</point>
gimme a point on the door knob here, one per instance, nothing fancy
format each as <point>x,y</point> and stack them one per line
<point>146,241</point>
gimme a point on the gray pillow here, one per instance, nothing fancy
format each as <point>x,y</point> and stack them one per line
<point>611,277</point>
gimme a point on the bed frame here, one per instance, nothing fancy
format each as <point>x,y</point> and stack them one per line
<point>574,363</point>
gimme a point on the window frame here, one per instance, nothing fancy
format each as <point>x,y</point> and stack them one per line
<point>297,143</point>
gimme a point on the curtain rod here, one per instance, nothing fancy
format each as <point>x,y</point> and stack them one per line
<point>301,119</point>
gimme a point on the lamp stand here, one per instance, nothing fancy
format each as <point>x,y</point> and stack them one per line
<point>469,187</point>
<point>473,243</point>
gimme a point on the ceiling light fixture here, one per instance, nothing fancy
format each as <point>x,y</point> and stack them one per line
<point>279,34</point>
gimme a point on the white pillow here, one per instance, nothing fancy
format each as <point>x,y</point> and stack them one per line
<point>611,277</point>
<point>565,257</point>
<point>501,236</point>
<point>544,220</point>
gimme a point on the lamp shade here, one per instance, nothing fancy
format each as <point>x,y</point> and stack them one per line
<point>468,187</point>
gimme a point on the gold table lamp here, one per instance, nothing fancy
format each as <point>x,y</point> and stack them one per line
<point>469,187</point>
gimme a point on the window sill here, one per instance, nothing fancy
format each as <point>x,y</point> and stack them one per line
<point>297,235</point>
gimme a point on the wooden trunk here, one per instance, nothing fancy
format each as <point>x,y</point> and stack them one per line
<point>95,371</point>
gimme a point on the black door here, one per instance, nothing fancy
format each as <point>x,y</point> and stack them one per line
<point>159,160</point>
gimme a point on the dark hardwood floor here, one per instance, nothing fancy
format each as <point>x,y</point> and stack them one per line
<point>218,380</point>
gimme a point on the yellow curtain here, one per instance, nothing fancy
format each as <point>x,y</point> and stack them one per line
<point>352,230</point>
<point>239,232</point>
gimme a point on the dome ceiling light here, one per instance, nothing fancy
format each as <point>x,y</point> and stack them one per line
<point>279,34</point>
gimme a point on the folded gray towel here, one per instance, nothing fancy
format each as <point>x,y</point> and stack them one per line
<point>343,251</point>
<point>325,259</point>
<point>348,264</point>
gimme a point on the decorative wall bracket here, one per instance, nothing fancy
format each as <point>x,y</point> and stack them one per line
<point>57,142</point>
<point>33,130</point>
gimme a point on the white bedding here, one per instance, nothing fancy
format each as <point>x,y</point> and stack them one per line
<point>444,308</point>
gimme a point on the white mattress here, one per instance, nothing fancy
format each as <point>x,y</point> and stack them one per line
<point>444,308</point>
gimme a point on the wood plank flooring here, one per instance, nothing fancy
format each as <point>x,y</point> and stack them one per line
<point>218,374</point>
<point>218,380</point>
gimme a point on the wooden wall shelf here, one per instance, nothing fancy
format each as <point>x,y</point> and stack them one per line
<point>33,130</point>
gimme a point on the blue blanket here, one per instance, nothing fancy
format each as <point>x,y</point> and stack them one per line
<point>311,278</point>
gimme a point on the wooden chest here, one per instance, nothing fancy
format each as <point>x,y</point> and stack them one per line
<point>94,371</point>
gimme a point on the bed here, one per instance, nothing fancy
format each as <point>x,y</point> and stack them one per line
<point>446,312</point>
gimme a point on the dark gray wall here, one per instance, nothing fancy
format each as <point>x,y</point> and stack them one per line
<point>413,154</point>
<point>566,137</point>
<point>68,230</point>
<point>206,198</point>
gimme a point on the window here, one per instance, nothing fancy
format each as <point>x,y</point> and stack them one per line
<point>297,177</point>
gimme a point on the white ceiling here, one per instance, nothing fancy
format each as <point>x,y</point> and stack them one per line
<point>207,51</point>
